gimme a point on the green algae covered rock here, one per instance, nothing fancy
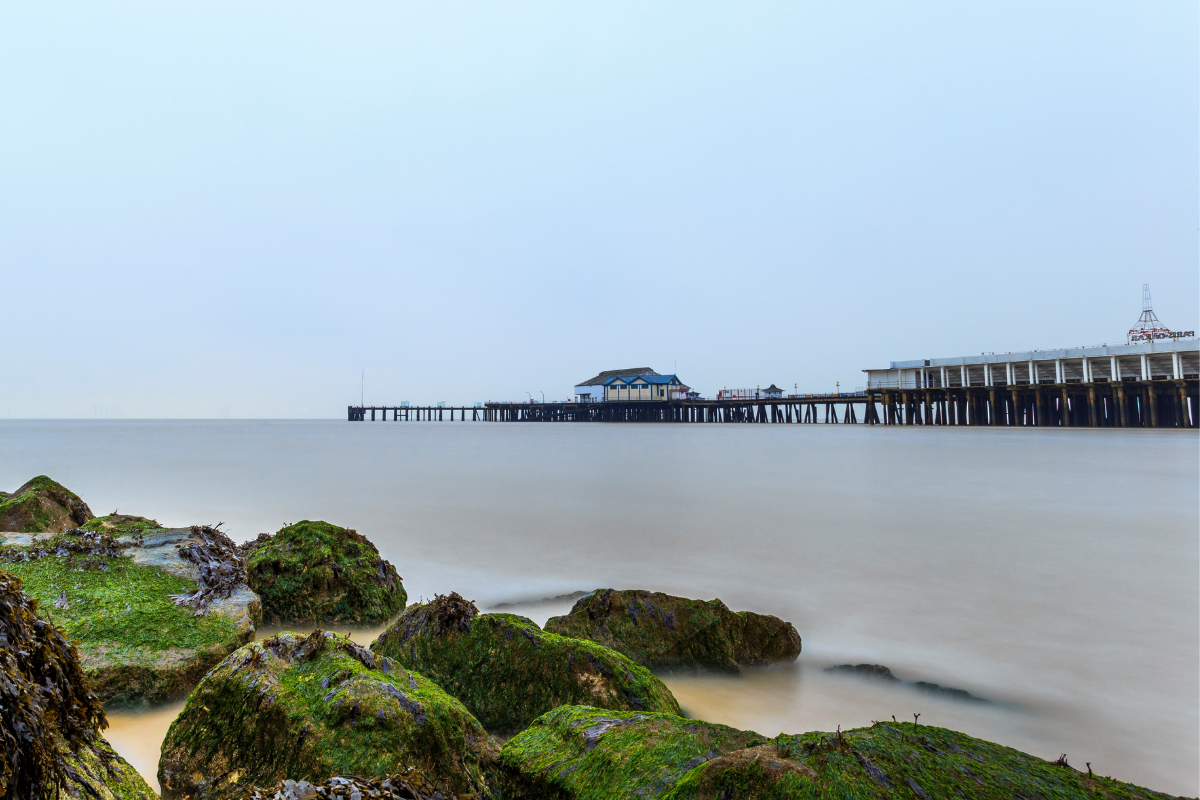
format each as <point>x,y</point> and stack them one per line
<point>50,720</point>
<point>508,671</point>
<point>889,760</point>
<point>42,505</point>
<point>314,707</point>
<point>588,754</point>
<point>318,571</point>
<point>584,753</point>
<point>150,609</point>
<point>98,772</point>
<point>661,631</point>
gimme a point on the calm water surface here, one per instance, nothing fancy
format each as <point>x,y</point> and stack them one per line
<point>1055,573</point>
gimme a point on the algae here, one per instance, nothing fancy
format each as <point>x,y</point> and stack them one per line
<point>583,753</point>
<point>321,572</point>
<point>120,601</point>
<point>507,671</point>
<point>309,708</point>
<point>890,760</point>
<point>42,504</point>
<point>662,631</point>
<point>49,718</point>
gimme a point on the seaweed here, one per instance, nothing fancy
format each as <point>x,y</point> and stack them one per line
<point>43,696</point>
<point>42,504</point>
<point>222,568</point>
<point>316,571</point>
<point>662,631</point>
<point>314,707</point>
<point>507,671</point>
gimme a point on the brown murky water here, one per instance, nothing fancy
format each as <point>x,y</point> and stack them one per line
<point>1055,573</point>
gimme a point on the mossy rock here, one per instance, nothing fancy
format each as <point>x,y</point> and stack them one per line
<point>508,671</point>
<point>584,753</point>
<point>408,785</point>
<point>315,571</point>
<point>313,707</point>
<point>115,592</point>
<point>42,505</point>
<point>889,760</point>
<point>662,631</point>
<point>97,772</point>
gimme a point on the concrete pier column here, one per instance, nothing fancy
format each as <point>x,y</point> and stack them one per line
<point>1032,374</point>
<point>1093,415</point>
<point>962,375</point>
<point>945,383</point>
<point>1066,409</point>
<point>1040,401</point>
<point>1058,371</point>
<point>1145,367</point>
<point>1184,422</point>
<point>1153,405</point>
<point>1114,369</point>
<point>1176,372</point>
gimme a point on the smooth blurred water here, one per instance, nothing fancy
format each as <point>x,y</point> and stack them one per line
<point>1054,572</point>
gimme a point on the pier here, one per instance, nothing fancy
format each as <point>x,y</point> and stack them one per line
<point>1152,384</point>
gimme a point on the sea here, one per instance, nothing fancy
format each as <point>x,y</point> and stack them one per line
<point>1052,574</point>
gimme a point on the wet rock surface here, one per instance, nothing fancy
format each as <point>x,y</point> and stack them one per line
<point>662,631</point>
<point>597,754</point>
<point>314,707</point>
<point>316,571</point>
<point>42,506</point>
<point>152,609</point>
<point>410,785</point>
<point>50,720</point>
<point>882,673</point>
<point>508,671</point>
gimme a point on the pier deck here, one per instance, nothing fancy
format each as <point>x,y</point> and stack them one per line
<point>1158,403</point>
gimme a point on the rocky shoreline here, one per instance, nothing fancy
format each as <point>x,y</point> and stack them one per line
<point>448,702</point>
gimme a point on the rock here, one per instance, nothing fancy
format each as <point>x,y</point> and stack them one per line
<point>151,609</point>
<point>584,753</point>
<point>42,505</point>
<point>97,772</point>
<point>410,785</point>
<point>661,631</point>
<point>50,720</point>
<point>315,707</point>
<point>949,692</point>
<point>508,671</point>
<point>876,671</point>
<point>315,571</point>
<point>890,760</point>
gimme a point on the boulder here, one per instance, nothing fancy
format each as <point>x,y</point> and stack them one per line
<point>661,631</point>
<point>315,707</point>
<point>151,609</point>
<point>889,760</point>
<point>584,753</point>
<point>42,505</point>
<point>315,571</point>
<point>50,720</point>
<point>508,671</point>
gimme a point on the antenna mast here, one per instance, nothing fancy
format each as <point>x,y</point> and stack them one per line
<point>1148,328</point>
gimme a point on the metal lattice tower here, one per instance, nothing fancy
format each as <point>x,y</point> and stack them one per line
<point>1147,325</point>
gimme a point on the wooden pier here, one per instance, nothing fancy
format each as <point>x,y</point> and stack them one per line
<point>1124,404</point>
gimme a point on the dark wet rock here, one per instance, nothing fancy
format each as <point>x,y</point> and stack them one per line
<point>409,785</point>
<point>507,671</point>
<point>880,672</point>
<point>876,671</point>
<point>316,707</point>
<point>42,506</point>
<point>948,692</point>
<point>582,752</point>
<point>661,631</point>
<point>151,609</point>
<point>315,571</point>
<point>50,720</point>
<point>889,760</point>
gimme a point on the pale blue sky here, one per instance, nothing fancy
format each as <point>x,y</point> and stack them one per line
<point>229,209</point>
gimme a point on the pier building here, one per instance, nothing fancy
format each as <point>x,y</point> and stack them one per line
<point>592,390</point>
<point>641,388</point>
<point>1148,383</point>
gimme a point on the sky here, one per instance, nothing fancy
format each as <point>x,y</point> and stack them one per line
<point>264,209</point>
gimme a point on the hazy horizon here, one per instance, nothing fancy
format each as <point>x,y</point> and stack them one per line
<point>234,210</point>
